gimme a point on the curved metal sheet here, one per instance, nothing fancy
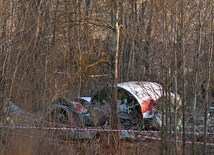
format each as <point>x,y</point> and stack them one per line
<point>142,90</point>
<point>87,99</point>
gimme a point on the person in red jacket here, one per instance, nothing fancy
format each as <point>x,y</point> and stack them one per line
<point>147,107</point>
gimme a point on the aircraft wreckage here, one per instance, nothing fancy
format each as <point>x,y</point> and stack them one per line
<point>138,107</point>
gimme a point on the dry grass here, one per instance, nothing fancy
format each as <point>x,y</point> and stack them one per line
<point>56,142</point>
<point>40,142</point>
<point>31,142</point>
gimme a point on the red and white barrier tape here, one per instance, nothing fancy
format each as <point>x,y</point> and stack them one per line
<point>72,129</point>
<point>91,129</point>
<point>66,127</point>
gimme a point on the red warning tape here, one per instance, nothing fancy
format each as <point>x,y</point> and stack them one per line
<point>72,129</point>
<point>68,128</point>
<point>92,129</point>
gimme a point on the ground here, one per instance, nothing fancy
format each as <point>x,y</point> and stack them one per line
<point>51,142</point>
<point>36,141</point>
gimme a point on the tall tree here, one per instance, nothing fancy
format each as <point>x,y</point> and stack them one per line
<point>183,96</point>
<point>175,73</point>
<point>196,70</point>
<point>114,71</point>
<point>206,84</point>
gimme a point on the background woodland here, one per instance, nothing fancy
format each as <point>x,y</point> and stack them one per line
<point>60,47</point>
<point>52,48</point>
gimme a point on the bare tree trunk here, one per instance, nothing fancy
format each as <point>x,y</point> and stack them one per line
<point>183,96</point>
<point>3,55</point>
<point>114,73</point>
<point>197,51</point>
<point>148,40</point>
<point>169,104</point>
<point>122,50</point>
<point>79,47</point>
<point>175,74</point>
<point>10,43</point>
<point>47,33</point>
<point>165,109</point>
<point>143,13</point>
<point>88,4</point>
<point>207,84</point>
<point>132,50</point>
<point>54,19</point>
